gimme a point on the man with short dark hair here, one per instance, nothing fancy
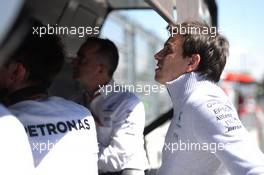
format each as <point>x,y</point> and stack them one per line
<point>119,114</point>
<point>61,133</point>
<point>205,136</point>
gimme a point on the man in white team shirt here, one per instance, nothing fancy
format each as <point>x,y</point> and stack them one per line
<point>61,133</point>
<point>205,136</point>
<point>15,153</point>
<point>120,115</point>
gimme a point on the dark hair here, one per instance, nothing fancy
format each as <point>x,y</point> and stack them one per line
<point>107,53</point>
<point>42,56</point>
<point>213,48</point>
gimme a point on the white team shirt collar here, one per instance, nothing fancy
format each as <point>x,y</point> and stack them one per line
<point>180,88</point>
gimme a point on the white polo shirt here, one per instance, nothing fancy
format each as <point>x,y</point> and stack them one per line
<point>62,135</point>
<point>205,136</point>
<point>120,134</point>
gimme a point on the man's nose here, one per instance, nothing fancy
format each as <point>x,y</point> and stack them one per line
<point>157,56</point>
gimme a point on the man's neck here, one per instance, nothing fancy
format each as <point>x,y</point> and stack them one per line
<point>30,92</point>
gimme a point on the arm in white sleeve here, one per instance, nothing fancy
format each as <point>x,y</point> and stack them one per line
<point>16,156</point>
<point>126,138</point>
<point>217,122</point>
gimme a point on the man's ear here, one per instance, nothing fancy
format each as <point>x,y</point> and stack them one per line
<point>194,62</point>
<point>17,72</point>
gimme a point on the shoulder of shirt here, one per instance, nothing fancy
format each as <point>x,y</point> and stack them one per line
<point>4,111</point>
<point>54,102</point>
<point>69,103</point>
<point>122,100</point>
<point>205,100</point>
<point>202,95</point>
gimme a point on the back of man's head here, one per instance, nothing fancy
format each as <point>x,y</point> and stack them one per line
<point>42,56</point>
<point>213,48</point>
<point>107,53</point>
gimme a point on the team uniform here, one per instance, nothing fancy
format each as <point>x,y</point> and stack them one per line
<point>121,120</point>
<point>205,136</point>
<point>62,135</point>
<point>15,153</point>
